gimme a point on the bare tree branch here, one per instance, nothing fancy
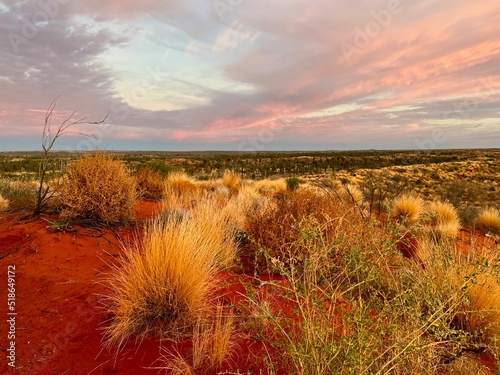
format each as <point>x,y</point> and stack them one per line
<point>48,141</point>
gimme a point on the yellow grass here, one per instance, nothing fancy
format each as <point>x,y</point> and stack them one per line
<point>4,204</point>
<point>489,219</point>
<point>470,286</point>
<point>181,191</point>
<point>448,229</point>
<point>350,193</point>
<point>231,180</point>
<point>97,187</point>
<point>166,282</point>
<point>212,340</point>
<point>246,203</point>
<point>213,343</point>
<point>408,207</point>
<point>179,183</point>
<point>214,226</point>
<point>271,186</point>
<point>176,365</point>
<point>484,315</point>
<point>150,184</point>
<point>442,212</point>
<point>210,184</point>
<point>445,218</point>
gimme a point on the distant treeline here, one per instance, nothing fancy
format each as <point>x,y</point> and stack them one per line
<point>256,165</point>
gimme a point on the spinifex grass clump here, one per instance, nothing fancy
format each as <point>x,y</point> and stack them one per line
<point>489,219</point>
<point>164,285</point>
<point>231,180</point>
<point>444,218</point>
<point>97,187</point>
<point>181,190</point>
<point>267,186</point>
<point>4,204</point>
<point>468,290</point>
<point>180,183</point>
<point>150,184</point>
<point>407,207</point>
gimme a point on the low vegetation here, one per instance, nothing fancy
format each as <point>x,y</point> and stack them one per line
<point>407,207</point>
<point>163,285</point>
<point>329,287</point>
<point>150,184</point>
<point>489,219</point>
<point>97,187</point>
<point>4,204</point>
<point>444,218</point>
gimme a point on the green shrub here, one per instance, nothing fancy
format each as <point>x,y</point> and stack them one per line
<point>157,166</point>
<point>292,183</point>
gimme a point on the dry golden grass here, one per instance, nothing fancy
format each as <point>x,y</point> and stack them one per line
<point>469,288</point>
<point>97,187</point>
<point>350,193</point>
<point>407,207</point>
<point>214,226</point>
<point>267,186</point>
<point>442,212</point>
<point>212,343</point>
<point>180,183</point>
<point>212,339</point>
<point>489,220</point>
<point>247,203</point>
<point>175,364</point>
<point>4,204</point>
<point>444,217</point>
<point>165,284</point>
<point>231,180</point>
<point>150,184</point>
<point>484,315</point>
<point>209,184</point>
<point>448,229</point>
<point>181,191</point>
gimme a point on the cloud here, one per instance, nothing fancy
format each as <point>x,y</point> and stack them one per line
<point>421,65</point>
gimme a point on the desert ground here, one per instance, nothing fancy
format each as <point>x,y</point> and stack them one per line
<point>213,263</point>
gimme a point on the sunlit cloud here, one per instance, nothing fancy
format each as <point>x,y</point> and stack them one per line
<point>363,75</point>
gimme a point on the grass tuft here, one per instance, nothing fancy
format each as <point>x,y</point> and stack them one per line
<point>489,220</point>
<point>150,184</point>
<point>407,207</point>
<point>97,187</point>
<point>4,204</point>
<point>165,284</point>
<point>231,180</point>
<point>444,217</point>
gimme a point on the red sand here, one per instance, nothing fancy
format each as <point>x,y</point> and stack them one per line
<point>60,318</point>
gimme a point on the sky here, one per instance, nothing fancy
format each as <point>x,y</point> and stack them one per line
<point>259,75</point>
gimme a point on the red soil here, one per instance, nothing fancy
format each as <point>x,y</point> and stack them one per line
<point>60,316</point>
